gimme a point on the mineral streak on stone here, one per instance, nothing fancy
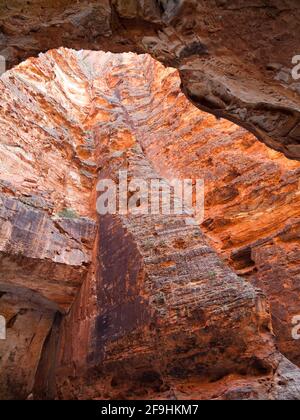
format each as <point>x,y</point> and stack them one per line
<point>134,306</point>
<point>234,59</point>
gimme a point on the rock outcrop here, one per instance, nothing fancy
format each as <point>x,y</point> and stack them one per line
<point>234,59</point>
<point>251,201</point>
<point>47,227</point>
<point>131,306</point>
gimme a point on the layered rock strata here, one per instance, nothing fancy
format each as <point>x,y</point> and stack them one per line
<point>47,230</point>
<point>152,310</point>
<point>235,59</point>
<point>251,200</point>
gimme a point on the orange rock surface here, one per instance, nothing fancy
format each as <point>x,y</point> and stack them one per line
<point>140,306</point>
<point>234,57</point>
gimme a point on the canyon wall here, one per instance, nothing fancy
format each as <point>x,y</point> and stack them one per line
<point>47,230</point>
<point>131,306</point>
<point>251,200</point>
<point>234,57</point>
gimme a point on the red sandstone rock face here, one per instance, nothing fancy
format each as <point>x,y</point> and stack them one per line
<point>155,312</point>
<point>28,323</point>
<point>46,228</point>
<point>251,201</point>
<point>235,59</point>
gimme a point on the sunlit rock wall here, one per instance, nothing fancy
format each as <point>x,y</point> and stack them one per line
<point>149,306</point>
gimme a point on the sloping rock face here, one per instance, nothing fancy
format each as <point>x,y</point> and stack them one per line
<point>234,59</point>
<point>251,201</point>
<point>124,305</point>
<point>47,229</point>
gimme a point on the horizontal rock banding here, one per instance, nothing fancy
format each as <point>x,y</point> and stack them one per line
<point>148,295</point>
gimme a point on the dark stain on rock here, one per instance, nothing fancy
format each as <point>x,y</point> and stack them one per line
<point>196,48</point>
<point>122,308</point>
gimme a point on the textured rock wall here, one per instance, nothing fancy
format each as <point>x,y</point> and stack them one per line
<point>251,199</point>
<point>159,309</point>
<point>235,59</point>
<point>47,230</point>
<point>27,325</point>
<point>152,310</point>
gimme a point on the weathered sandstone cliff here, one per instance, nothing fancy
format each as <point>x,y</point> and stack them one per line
<point>234,57</point>
<point>133,306</point>
<point>252,202</point>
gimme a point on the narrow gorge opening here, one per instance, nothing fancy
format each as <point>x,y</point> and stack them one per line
<point>141,297</point>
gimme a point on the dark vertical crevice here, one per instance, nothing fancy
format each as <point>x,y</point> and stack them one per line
<point>45,384</point>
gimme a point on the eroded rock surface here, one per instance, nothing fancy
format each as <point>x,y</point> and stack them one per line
<point>152,309</point>
<point>47,228</point>
<point>251,200</point>
<point>235,59</point>
<point>28,323</point>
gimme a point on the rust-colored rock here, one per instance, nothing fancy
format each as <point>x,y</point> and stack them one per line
<point>252,205</point>
<point>152,309</point>
<point>28,323</point>
<point>235,59</point>
<point>47,229</point>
